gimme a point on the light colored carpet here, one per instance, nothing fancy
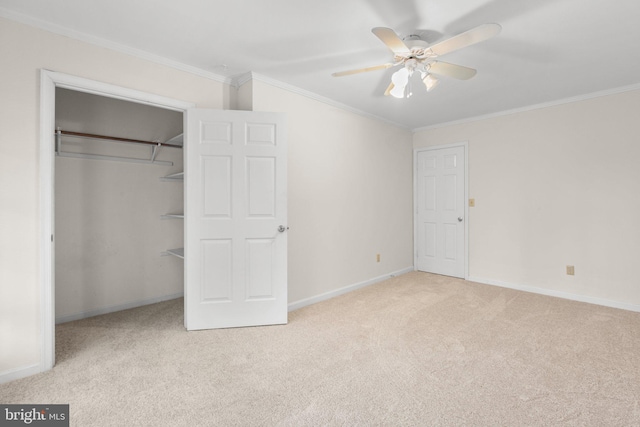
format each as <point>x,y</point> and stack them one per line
<point>418,350</point>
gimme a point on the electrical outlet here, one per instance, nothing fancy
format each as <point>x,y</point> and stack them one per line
<point>378,258</point>
<point>571,270</point>
<point>472,203</point>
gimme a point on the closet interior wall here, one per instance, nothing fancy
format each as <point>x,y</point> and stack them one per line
<point>109,234</point>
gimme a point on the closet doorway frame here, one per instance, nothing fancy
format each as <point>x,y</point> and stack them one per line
<point>49,81</point>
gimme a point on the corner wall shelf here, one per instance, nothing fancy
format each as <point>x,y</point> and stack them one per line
<point>179,176</point>
<point>173,177</point>
<point>172,216</point>
<point>178,252</point>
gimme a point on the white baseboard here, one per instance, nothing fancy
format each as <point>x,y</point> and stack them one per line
<point>558,294</point>
<point>16,374</point>
<point>119,307</point>
<point>331,294</point>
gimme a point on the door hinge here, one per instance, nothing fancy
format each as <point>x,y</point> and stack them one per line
<point>52,238</point>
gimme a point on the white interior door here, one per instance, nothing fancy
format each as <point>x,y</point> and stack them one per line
<point>235,202</point>
<point>440,205</point>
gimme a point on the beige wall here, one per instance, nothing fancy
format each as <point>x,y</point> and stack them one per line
<point>350,179</point>
<point>245,96</point>
<point>350,193</point>
<point>553,187</point>
<point>25,51</point>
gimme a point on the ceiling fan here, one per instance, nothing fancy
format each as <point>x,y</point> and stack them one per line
<point>415,54</point>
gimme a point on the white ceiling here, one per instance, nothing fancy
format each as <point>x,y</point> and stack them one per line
<point>548,50</point>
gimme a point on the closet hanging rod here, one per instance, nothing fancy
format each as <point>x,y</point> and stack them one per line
<point>152,161</point>
<point>111,138</point>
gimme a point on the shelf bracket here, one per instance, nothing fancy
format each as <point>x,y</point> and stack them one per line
<point>58,138</point>
<point>154,151</point>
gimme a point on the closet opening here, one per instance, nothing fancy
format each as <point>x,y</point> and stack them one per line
<point>50,83</point>
<point>118,204</point>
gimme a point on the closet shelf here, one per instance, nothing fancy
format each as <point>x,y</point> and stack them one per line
<point>59,134</point>
<point>173,177</point>
<point>172,216</point>
<point>176,141</point>
<point>179,252</point>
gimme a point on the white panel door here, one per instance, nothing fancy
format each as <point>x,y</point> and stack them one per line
<point>235,202</point>
<point>440,196</point>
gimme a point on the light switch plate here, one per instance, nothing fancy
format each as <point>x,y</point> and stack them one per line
<point>472,203</point>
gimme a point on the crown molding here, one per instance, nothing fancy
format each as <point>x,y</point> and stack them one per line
<point>118,47</point>
<point>241,79</point>
<point>562,101</point>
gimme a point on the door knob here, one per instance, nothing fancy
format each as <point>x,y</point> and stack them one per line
<point>282,228</point>
<point>459,219</point>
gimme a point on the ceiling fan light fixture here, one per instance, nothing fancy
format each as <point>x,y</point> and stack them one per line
<point>430,81</point>
<point>397,92</point>
<point>399,79</point>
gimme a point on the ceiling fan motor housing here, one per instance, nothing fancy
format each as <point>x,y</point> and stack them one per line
<point>419,49</point>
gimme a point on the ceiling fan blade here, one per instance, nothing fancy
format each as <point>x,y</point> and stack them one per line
<point>451,70</point>
<point>473,36</point>
<point>391,39</point>
<point>387,92</point>
<point>362,70</point>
